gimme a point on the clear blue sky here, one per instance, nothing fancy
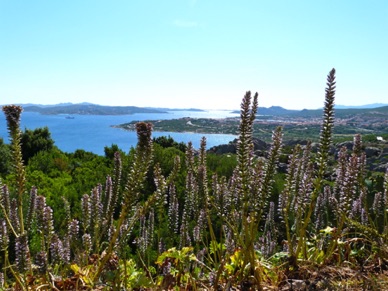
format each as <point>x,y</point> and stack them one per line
<point>193,53</point>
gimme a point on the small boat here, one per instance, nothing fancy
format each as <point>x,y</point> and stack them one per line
<point>69,117</point>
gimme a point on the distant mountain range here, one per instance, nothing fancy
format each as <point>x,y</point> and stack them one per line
<point>373,105</point>
<point>339,109</point>
<point>86,108</point>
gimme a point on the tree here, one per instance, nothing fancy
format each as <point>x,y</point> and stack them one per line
<point>168,141</point>
<point>34,141</point>
<point>110,151</point>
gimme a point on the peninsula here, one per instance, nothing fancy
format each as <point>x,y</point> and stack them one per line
<point>296,124</point>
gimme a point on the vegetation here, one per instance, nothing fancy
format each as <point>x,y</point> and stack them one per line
<point>165,216</point>
<point>35,141</point>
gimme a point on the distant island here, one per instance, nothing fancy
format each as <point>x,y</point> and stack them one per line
<point>89,109</point>
<point>93,109</point>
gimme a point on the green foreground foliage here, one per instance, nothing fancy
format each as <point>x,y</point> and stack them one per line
<point>168,217</point>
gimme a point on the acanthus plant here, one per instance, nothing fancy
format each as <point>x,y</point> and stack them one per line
<point>97,234</point>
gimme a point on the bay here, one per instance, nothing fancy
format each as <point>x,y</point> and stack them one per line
<point>94,132</point>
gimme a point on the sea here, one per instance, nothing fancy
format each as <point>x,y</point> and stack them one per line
<point>94,132</point>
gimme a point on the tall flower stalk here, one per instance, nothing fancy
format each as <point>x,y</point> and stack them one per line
<point>322,160</point>
<point>11,206</point>
<point>132,192</point>
<point>252,185</point>
<point>12,115</point>
<point>296,194</point>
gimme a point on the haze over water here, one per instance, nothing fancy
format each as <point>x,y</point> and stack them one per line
<point>94,132</point>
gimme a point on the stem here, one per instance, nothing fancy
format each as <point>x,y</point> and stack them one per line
<point>113,240</point>
<point>17,278</point>
<point>8,221</point>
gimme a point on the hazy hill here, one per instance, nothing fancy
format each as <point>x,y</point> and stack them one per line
<point>86,108</point>
<point>366,106</point>
<point>339,112</point>
<point>90,109</point>
<point>344,113</point>
<point>273,111</point>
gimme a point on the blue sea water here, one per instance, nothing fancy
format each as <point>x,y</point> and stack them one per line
<point>94,132</point>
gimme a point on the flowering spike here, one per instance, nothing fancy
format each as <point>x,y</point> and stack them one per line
<point>4,238</point>
<point>328,120</point>
<point>31,208</point>
<point>86,212</point>
<point>12,114</point>
<point>22,253</point>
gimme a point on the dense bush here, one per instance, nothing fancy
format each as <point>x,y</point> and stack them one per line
<point>35,141</point>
